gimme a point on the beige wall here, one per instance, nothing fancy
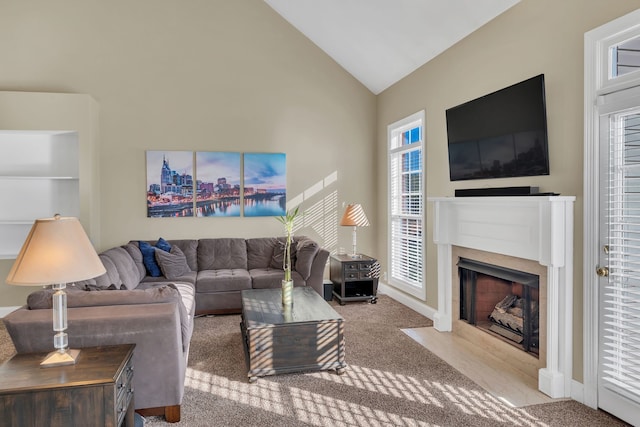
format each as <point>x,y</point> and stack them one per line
<point>534,37</point>
<point>208,75</point>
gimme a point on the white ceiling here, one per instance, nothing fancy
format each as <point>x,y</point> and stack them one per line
<point>381,41</point>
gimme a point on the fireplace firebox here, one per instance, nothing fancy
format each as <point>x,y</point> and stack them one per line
<point>502,302</point>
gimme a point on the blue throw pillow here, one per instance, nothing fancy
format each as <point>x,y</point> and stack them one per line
<point>163,244</point>
<point>149,259</point>
<point>149,255</point>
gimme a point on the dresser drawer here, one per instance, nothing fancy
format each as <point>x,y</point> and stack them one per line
<point>124,391</point>
<point>350,267</point>
<point>365,266</point>
<point>357,270</point>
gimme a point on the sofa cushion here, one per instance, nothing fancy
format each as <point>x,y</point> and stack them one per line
<point>306,251</point>
<point>149,281</point>
<point>260,251</point>
<point>126,267</point>
<point>188,309</point>
<point>222,253</point>
<point>173,264</point>
<point>134,252</point>
<point>267,278</point>
<point>111,277</point>
<point>277,257</point>
<point>42,299</point>
<point>223,280</point>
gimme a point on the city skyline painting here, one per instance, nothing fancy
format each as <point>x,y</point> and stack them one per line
<point>265,184</point>
<point>218,185</point>
<point>169,184</point>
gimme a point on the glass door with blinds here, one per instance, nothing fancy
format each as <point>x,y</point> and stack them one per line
<point>619,261</point>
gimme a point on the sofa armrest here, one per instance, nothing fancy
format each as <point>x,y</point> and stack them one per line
<point>316,278</point>
<point>154,328</point>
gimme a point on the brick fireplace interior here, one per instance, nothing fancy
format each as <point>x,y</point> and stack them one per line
<point>502,302</point>
<point>495,294</point>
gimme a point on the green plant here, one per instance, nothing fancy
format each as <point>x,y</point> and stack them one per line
<point>287,220</point>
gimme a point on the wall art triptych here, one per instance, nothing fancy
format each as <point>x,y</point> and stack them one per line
<point>208,183</point>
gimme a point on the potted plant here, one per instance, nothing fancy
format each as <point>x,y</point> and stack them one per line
<point>287,283</point>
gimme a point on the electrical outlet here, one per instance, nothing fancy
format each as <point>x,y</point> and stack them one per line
<point>384,276</point>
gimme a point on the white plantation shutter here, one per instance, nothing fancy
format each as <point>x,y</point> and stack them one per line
<point>406,210</point>
<point>620,324</point>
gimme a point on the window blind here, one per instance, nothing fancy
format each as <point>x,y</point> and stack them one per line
<point>620,330</point>
<point>406,199</point>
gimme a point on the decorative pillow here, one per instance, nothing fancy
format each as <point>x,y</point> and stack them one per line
<point>305,254</point>
<point>277,258</point>
<point>163,244</point>
<point>173,264</point>
<point>149,259</point>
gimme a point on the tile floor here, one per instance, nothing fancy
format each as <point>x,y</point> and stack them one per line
<point>507,384</point>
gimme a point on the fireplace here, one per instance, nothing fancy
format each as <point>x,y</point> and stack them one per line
<point>502,302</point>
<point>534,231</point>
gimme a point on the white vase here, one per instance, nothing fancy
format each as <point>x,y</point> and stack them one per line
<point>287,293</point>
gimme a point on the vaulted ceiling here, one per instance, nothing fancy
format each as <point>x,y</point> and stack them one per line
<point>381,41</point>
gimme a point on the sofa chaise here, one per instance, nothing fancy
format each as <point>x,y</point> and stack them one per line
<point>149,296</point>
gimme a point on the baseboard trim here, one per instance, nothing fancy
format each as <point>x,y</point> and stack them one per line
<point>407,300</point>
<point>6,310</point>
<point>577,391</point>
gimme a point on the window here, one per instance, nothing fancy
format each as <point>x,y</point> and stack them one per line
<point>406,201</point>
<point>625,57</point>
<point>619,63</point>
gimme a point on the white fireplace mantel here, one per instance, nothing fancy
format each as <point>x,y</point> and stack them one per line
<point>538,228</point>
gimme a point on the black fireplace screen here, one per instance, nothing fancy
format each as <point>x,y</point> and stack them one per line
<point>501,301</point>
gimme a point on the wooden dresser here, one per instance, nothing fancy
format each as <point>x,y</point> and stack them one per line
<point>96,391</point>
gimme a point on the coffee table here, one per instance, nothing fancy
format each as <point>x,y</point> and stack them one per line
<point>307,337</point>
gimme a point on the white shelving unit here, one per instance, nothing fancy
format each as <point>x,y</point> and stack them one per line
<point>38,178</point>
<point>48,164</point>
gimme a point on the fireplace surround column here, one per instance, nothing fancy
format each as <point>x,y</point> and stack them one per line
<point>538,228</point>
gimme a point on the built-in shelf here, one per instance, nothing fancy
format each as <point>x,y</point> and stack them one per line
<point>38,178</point>
<point>48,164</point>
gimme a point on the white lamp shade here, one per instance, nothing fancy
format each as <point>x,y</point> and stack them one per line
<point>57,250</point>
<point>354,216</point>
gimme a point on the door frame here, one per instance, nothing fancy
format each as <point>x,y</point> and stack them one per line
<point>596,83</point>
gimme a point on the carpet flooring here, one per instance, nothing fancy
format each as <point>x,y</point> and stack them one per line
<point>390,381</point>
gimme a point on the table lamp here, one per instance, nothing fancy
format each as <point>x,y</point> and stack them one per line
<point>57,251</point>
<point>354,216</point>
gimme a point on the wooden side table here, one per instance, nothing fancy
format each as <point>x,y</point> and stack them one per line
<point>353,279</point>
<point>96,391</point>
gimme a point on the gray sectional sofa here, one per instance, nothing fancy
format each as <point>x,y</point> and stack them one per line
<point>149,296</point>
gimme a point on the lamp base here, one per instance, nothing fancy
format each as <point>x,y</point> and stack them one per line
<point>56,358</point>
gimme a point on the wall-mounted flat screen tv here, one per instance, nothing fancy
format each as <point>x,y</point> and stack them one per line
<point>502,134</point>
